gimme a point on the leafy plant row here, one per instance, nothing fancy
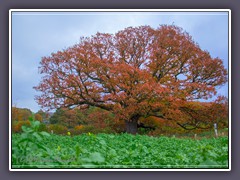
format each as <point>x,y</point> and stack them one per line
<point>34,149</point>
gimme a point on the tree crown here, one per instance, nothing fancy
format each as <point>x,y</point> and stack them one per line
<point>136,72</point>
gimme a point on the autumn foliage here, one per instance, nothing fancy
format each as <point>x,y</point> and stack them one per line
<point>84,120</point>
<point>137,72</point>
<point>20,114</point>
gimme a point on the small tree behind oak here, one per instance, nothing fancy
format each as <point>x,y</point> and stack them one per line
<point>203,115</point>
<point>137,72</point>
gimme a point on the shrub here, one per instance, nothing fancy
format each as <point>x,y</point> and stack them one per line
<point>88,128</point>
<point>118,126</point>
<point>57,129</point>
<point>17,125</point>
<point>42,127</point>
<point>107,130</point>
<point>78,127</point>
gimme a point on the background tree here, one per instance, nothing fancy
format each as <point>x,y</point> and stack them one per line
<point>15,113</point>
<point>91,116</point>
<point>57,117</point>
<point>20,114</point>
<point>70,118</point>
<point>218,111</point>
<point>137,72</point>
<point>66,117</point>
<point>38,117</point>
<point>204,114</point>
<point>45,115</point>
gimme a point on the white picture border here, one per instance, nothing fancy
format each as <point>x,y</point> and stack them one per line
<point>118,10</point>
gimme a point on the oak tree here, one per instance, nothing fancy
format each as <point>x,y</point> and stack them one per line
<point>136,72</point>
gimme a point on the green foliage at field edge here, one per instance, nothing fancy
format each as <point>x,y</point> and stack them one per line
<point>118,151</point>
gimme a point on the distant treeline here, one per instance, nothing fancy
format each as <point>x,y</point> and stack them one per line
<point>96,120</point>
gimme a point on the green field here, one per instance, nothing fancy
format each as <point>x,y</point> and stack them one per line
<point>41,150</point>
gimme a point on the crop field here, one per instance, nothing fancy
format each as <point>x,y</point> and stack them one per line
<point>42,150</point>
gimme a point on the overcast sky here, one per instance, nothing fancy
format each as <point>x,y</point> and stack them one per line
<point>38,34</point>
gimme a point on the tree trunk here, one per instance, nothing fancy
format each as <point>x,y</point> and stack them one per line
<point>131,126</point>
